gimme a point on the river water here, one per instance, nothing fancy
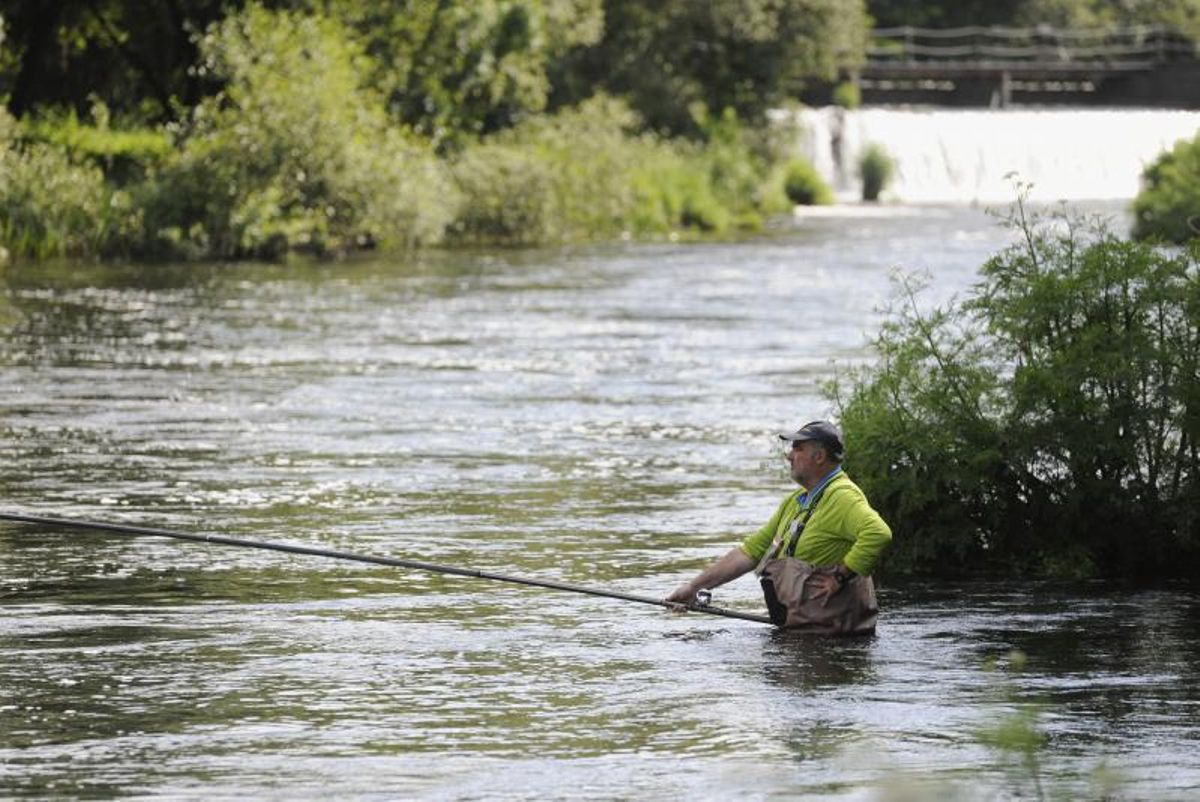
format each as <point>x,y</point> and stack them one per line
<point>598,415</point>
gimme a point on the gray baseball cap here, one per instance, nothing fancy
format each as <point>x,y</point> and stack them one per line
<point>820,430</point>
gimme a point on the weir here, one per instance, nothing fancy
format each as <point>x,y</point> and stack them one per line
<point>973,155</point>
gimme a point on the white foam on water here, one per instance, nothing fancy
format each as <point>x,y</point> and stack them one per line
<point>973,155</point>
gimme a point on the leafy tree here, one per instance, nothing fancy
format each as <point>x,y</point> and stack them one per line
<point>671,57</point>
<point>264,169</point>
<point>1048,424</point>
<point>947,14</point>
<point>136,57</point>
<point>1182,15</point>
<point>451,68</point>
<point>1168,207</point>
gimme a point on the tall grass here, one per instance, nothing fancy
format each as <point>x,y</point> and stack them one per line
<point>125,154</point>
<point>585,173</point>
<point>52,205</point>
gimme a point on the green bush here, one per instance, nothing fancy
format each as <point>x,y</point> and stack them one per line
<point>508,196</point>
<point>1168,207</point>
<point>125,155</point>
<point>297,153</point>
<point>738,162</point>
<point>552,179</point>
<point>672,193</point>
<point>877,169</point>
<point>702,211</point>
<point>52,206</point>
<point>804,185</point>
<point>1049,424</point>
<point>585,174</point>
<point>294,154</point>
<point>847,95</point>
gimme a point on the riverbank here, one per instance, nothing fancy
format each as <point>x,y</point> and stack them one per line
<point>266,183</point>
<point>269,186</point>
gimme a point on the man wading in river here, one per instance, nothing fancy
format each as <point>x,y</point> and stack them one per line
<point>815,556</point>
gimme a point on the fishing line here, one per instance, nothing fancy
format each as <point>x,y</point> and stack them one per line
<point>394,562</point>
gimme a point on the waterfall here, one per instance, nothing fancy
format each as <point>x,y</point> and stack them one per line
<point>972,156</point>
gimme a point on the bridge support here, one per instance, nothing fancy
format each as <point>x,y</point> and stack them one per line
<point>1003,96</point>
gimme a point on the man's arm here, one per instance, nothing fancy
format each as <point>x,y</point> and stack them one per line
<point>871,536</point>
<point>733,564</point>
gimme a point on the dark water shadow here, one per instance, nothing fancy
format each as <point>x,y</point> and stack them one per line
<point>803,662</point>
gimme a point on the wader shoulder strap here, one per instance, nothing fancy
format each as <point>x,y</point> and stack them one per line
<point>796,529</point>
<point>798,525</point>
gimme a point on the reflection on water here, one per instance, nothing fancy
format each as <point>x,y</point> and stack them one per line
<point>598,416</point>
<point>801,664</point>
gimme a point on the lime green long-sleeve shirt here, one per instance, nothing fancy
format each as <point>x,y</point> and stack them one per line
<point>844,528</point>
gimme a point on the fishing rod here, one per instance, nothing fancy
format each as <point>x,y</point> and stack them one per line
<point>699,606</point>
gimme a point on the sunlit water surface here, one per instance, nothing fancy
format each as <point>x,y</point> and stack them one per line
<point>598,416</point>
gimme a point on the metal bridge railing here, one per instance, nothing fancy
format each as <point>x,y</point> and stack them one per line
<point>1135,44</point>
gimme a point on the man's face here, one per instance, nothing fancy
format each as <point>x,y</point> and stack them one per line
<point>807,460</point>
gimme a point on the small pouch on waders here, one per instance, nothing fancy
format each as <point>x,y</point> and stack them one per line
<point>851,610</point>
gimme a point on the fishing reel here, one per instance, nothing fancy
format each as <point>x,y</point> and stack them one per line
<point>703,598</point>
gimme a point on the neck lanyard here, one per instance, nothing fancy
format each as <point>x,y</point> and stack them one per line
<point>812,497</point>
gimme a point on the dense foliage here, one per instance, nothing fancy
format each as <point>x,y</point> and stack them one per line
<point>263,128</point>
<point>447,68</point>
<point>804,185</point>
<point>451,70</point>
<point>1168,207</point>
<point>876,167</point>
<point>670,56</point>
<point>232,128</point>
<point>53,204</point>
<point>1183,15</point>
<point>1050,423</point>
<point>263,169</point>
<point>137,57</point>
<point>523,185</point>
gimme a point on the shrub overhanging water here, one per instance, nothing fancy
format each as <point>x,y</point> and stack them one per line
<point>1050,422</point>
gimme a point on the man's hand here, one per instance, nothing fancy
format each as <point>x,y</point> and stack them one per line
<point>683,595</point>
<point>733,564</point>
<point>825,586</point>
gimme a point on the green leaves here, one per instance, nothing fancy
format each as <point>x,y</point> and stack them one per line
<point>1168,207</point>
<point>876,167</point>
<point>804,185</point>
<point>585,173</point>
<point>1048,422</point>
<point>328,126</point>
<point>52,204</point>
<point>295,153</point>
<point>455,70</point>
<point>746,55</point>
